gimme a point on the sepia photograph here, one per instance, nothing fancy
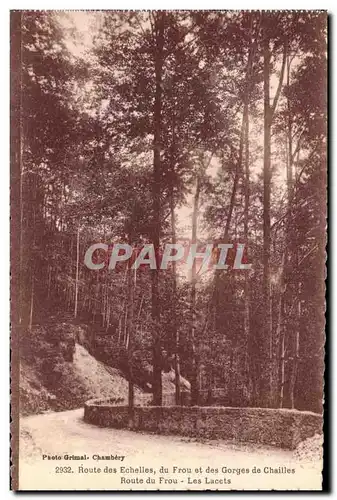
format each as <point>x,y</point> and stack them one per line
<point>168,249</point>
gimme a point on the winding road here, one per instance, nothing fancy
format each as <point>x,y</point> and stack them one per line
<point>150,461</point>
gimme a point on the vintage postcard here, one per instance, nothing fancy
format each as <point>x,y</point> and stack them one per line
<point>168,247</point>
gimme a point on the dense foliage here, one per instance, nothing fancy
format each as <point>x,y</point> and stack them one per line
<point>222,114</point>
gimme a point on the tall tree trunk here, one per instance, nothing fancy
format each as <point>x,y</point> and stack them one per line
<point>174,319</point>
<point>21,232</point>
<point>246,320</point>
<point>281,337</point>
<point>130,343</point>
<point>77,270</point>
<point>266,343</point>
<point>284,305</point>
<point>156,208</point>
<point>194,376</point>
<point>31,309</point>
<point>265,348</point>
<point>174,269</point>
<point>294,256</point>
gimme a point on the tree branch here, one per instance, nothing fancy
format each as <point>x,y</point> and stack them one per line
<point>280,83</point>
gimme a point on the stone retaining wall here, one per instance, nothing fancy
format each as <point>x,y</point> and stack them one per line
<point>275,427</point>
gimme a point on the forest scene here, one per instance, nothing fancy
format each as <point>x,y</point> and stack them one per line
<point>157,127</point>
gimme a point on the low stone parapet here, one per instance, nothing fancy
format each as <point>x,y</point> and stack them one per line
<point>268,426</point>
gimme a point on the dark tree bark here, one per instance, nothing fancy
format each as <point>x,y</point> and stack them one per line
<point>174,319</point>
<point>130,341</point>
<point>246,320</point>
<point>266,342</point>
<point>159,28</point>
<point>77,271</point>
<point>195,370</point>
